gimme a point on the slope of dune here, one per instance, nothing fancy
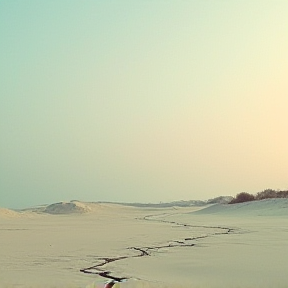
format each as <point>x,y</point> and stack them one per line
<point>67,208</point>
<point>266,207</point>
<point>7,213</point>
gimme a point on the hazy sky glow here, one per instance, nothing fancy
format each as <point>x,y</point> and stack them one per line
<point>142,101</point>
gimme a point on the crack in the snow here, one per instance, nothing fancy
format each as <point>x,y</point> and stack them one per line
<point>146,251</point>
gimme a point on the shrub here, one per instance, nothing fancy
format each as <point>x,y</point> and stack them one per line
<point>282,194</point>
<point>242,197</point>
<point>266,194</point>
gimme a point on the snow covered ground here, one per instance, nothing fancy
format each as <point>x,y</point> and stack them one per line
<point>69,244</point>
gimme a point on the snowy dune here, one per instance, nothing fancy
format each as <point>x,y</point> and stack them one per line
<point>239,245</point>
<point>266,207</point>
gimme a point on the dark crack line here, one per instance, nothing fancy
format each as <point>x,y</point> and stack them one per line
<point>143,252</point>
<point>148,218</point>
<point>146,251</point>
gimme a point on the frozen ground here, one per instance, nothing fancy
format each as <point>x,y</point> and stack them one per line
<point>240,245</point>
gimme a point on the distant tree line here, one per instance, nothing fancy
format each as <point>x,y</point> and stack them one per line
<point>266,194</point>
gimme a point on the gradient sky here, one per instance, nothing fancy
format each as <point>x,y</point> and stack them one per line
<point>142,101</point>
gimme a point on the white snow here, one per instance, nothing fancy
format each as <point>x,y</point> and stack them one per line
<point>240,245</point>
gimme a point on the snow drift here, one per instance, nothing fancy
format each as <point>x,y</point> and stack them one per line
<point>266,207</point>
<point>67,208</point>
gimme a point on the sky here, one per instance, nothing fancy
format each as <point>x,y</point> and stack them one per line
<point>142,101</point>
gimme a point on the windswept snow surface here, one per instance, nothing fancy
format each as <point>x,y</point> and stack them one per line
<point>240,245</point>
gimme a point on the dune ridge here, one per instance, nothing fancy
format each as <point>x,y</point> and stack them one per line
<point>8,213</point>
<point>67,208</point>
<point>266,207</point>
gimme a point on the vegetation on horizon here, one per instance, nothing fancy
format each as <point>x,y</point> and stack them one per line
<point>266,194</point>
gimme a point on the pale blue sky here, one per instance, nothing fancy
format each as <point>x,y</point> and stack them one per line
<point>142,101</point>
